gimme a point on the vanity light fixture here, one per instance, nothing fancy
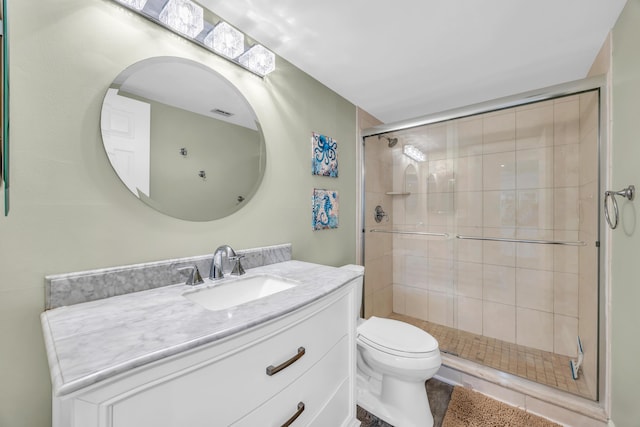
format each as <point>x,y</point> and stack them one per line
<point>259,60</point>
<point>225,40</point>
<point>186,18</point>
<point>136,4</point>
<point>414,152</point>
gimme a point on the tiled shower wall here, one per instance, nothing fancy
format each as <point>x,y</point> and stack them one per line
<point>525,173</point>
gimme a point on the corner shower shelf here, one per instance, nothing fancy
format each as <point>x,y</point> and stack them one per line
<point>397,193</point>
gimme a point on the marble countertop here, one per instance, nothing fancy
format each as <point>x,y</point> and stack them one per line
<point>92,341</point>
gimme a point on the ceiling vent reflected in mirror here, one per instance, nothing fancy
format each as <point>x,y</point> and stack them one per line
<point>222,112</point>
<point>186,19</point>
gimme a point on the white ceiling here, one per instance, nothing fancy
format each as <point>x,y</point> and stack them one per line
<point>407,58</point>
<point>186,85</point>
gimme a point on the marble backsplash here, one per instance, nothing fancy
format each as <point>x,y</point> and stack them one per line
<point>74,288</point>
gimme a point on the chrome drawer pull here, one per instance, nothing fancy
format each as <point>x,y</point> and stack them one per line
<point>296,415</point>
<point>272,370</point>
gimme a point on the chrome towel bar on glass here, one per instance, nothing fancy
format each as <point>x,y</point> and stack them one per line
<point>493,239</point>
<point>628,192</point>
<point>539,242</point>
<point>418,233</point>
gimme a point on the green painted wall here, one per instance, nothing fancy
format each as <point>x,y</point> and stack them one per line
<point>229,154</point>
<point>69,210</point>
<point>626,243</point>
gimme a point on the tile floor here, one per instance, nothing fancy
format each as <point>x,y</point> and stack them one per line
<point>536,365</point>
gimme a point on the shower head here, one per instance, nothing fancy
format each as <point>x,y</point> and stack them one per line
<point>392,141</point>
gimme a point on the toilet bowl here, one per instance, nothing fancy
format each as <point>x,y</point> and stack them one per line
<point>394,359</point>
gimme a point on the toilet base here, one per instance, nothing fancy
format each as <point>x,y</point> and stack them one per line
<point>401,403</point>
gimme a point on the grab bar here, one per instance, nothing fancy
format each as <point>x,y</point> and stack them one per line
<point>539,242</point>
<point>419,233</point>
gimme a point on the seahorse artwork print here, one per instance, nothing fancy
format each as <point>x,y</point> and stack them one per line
<point>325,155</point>
<point>325,209</point>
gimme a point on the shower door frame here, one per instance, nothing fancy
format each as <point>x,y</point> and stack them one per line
<point>598,83</point>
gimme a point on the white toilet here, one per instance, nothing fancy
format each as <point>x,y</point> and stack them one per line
<point>394,361</point>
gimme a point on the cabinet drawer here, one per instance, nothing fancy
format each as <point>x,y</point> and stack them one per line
<point>314,389</point>
<point>226,388</point>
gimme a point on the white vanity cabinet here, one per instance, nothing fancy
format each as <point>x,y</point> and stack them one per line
<point>226,382</point>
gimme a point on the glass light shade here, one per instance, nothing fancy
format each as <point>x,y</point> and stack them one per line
<point>225,40</point>
<point>136,4</point>
<point>184,16</point>
<point>414,152</point>
<point>259,60</point>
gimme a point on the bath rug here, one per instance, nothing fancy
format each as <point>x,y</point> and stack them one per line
<point>469,408</point>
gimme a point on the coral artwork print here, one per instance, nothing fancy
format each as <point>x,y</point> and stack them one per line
<point>325,155</point>
<point>325,209</point>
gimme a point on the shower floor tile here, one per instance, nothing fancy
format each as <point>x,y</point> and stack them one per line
<point>536,365</point>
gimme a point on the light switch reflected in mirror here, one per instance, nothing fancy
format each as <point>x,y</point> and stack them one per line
<point>159,108</point>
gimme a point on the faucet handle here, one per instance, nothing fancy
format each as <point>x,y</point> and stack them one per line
<point>195,278</point>
<point>237,265</point>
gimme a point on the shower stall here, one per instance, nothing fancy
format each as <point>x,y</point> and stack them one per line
<point>481,226</point>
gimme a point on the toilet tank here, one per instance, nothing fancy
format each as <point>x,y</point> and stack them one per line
<point>359,285</point>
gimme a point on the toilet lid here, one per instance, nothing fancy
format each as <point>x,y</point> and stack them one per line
<point>395,336</point>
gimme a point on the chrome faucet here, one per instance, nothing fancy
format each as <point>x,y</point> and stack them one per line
<point>217,265</point>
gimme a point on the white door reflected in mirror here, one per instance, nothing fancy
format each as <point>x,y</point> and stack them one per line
<point>126,128</point>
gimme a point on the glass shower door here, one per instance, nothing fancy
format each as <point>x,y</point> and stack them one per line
<point>489,241</point>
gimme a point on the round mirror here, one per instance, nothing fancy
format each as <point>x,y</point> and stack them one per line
<point>182,138</point>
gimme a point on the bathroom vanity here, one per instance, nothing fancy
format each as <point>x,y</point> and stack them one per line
<point>160,358</point>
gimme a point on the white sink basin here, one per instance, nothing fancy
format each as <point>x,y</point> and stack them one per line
<point>234,292</point>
